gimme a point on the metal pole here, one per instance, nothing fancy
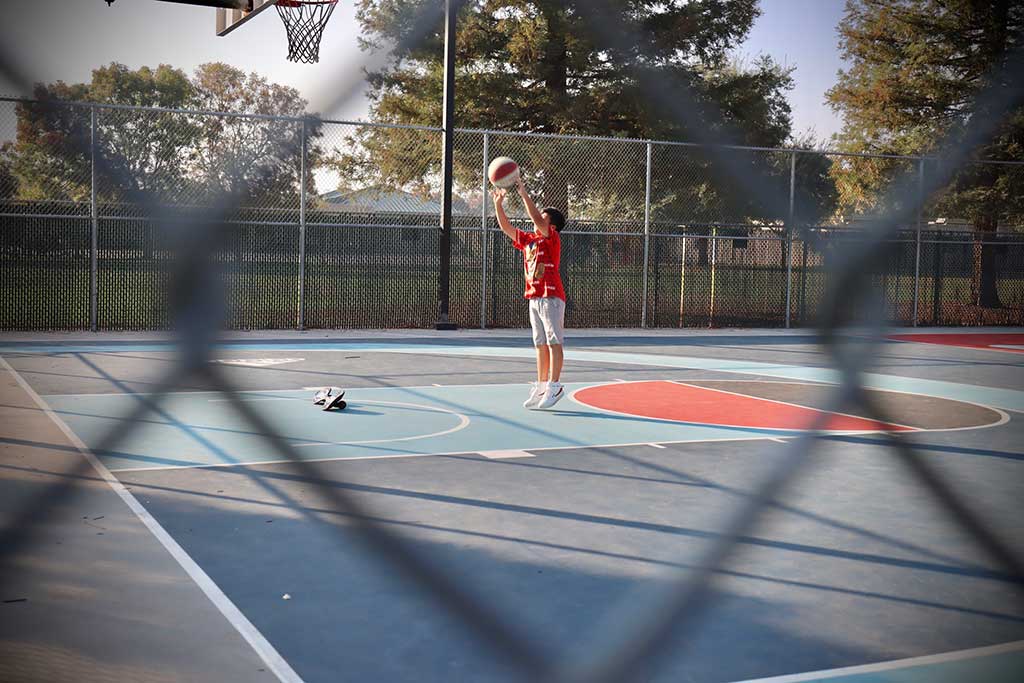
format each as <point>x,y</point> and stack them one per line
<point>94,248</point>
<point>714,260</point>
<point>301,313</point>
<point>917,241</point>
<point>483,234</point>
<point>789,234</point>
<point>447,124</point>
<point>647,237</point>
<point>682,282</point>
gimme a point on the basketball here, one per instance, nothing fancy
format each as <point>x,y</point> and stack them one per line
<point>503,172</point>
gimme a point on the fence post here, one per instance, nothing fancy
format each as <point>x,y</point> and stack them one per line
<point>917,240</point>
<point>647,237</point>
<point>789,235</point>
<point>94,242</point>
<point>714,263</point>
<point>483,235</point>
<point>451,8</point>
<point>300,317</point>
<point>682,280</point>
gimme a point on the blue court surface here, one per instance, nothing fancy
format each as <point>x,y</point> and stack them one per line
<point>557,517</point>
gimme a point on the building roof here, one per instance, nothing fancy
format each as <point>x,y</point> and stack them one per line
<point>377,199</point>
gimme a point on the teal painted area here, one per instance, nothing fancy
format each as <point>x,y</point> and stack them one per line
<point>203,429</point>
<point>998,398</point>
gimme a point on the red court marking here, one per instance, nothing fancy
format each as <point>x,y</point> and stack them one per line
<point>684,403</point>
<point>970,341</point>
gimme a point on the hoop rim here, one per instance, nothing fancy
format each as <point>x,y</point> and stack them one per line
<point>299,3</point>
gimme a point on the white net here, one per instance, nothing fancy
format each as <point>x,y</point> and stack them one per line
<point>305,20</point>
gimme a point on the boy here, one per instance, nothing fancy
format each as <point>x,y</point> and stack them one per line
<point>542,250</point>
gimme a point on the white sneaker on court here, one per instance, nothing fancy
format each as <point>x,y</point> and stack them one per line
<point>552,395</point>
<point>536,395</point>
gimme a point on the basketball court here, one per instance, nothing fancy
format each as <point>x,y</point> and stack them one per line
<point>193,533</point>
<point>553,517</point>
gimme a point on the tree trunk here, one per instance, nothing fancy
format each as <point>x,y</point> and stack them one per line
<point>555,187</point>
<point>985,267</point>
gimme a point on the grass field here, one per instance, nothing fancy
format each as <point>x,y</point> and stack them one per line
<point>375,294</point>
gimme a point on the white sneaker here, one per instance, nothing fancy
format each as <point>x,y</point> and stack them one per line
<point>536,395</point>
<point>552,395</point>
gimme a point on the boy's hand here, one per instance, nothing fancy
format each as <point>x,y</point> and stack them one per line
<point>499,194</point>
<point>520,185</point>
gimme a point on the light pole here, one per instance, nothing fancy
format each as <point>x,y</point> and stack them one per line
<point>451,10</point>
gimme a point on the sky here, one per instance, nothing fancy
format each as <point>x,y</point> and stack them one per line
<point>66,39</point>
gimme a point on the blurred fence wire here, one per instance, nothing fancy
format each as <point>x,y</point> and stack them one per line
<point>201,234</point>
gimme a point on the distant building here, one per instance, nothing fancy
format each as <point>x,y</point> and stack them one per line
<point>375,199</point>
<point>951,224</point>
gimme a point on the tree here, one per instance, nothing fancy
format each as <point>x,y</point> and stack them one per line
<point>172,156</point>
<point>8,181</point>
<point>532,66</point>
<point>141,151</point>
<point>255,160</point>
<point>916,67</point>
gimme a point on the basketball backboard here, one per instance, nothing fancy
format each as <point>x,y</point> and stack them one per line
<point>230,19</point>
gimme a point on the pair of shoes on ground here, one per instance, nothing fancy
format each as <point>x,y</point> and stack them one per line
<point>543,395</point>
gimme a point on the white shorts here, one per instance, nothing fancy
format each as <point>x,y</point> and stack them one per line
<point>547,318</point>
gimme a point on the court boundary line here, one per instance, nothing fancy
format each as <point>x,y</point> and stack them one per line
<point>234,616</point>
<point>908,428</point>
<point>895,664</point>
<point>460,386</point>
<point>393,456</point>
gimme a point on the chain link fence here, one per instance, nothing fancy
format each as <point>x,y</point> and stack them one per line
<point>657,236</point>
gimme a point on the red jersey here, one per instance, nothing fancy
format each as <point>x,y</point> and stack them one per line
<point>541,256</point>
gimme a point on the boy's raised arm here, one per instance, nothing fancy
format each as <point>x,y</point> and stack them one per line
<point>499,211</point>
<point>531,208</point>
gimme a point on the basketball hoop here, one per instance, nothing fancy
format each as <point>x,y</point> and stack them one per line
<point>305,20</point>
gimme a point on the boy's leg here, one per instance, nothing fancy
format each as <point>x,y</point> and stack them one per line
<point>554,312</point>
<point>555,324</point>
<point>557,358</point>
<point>543,362</point>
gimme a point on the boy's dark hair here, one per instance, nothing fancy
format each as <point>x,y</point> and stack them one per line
<point>557,218</point>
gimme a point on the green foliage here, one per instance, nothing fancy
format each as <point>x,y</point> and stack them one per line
<point>250,159</point>
<point>51,157</point>
<point>8,181</point>
<point>916,67</point>
<point>532,66</point>
<point>168,155</point>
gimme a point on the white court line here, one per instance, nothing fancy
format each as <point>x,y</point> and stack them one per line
<point>374,387</point>
<point>609,411</point>
<point>656,445</point>
<point>266,652</point>
<point>504,455</point>
<point>391,456</point>
<point>957,656</point>
<point>1003,416</point>
<point>463,423</point>
<point>794,405</point>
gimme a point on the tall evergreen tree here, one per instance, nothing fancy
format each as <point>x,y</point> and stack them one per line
<point>535,66</point>
<point>916,68</point>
